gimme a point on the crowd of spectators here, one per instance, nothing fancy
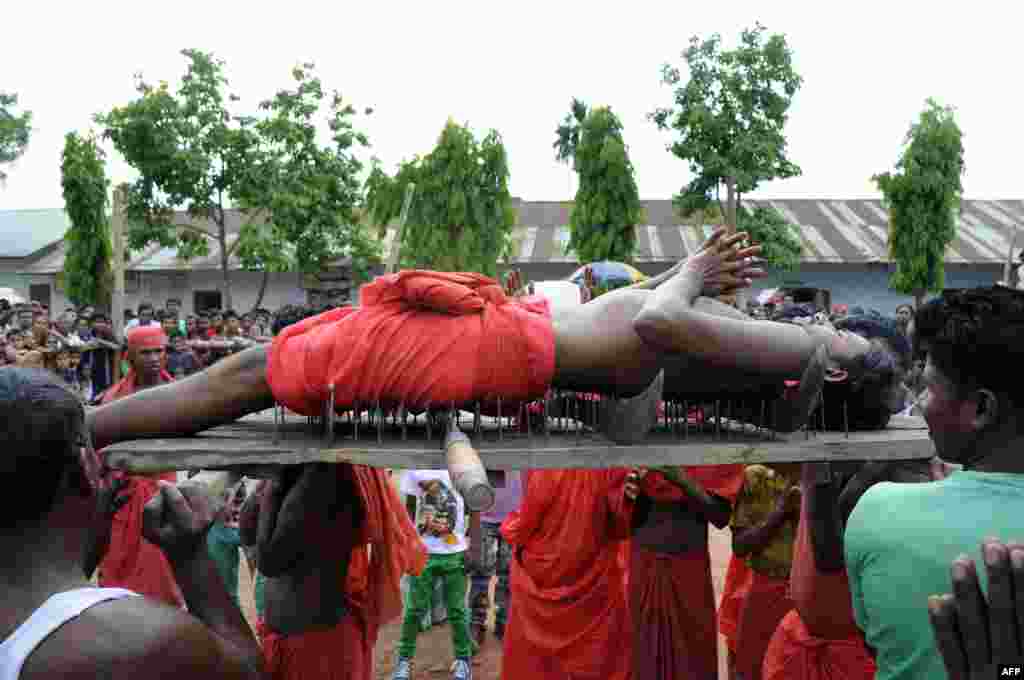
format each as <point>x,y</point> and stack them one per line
<point>79,344</point>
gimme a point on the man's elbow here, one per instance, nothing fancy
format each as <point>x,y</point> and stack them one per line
<point>653,327</point>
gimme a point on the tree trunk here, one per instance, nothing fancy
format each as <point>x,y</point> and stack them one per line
<point>225,270</point>
<point>730,205</point>
<point>263,290</point>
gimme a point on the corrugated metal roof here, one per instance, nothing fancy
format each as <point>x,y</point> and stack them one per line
<point>832,231</point>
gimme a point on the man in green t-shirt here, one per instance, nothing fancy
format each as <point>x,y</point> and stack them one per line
<point>901,538</point>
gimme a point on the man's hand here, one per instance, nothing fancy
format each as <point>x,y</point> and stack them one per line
<point>109,499</point>
<point>974,635</point>
<point>725,264</point>
<point>177,519</point>
<point>633,480</point>
<point>788,503</point>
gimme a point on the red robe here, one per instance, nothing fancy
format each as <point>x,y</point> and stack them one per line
<point>385,547</point>
<point>569,616</point>
<point>131,561</point>
<point>671,595</point>
<point>820,639</point>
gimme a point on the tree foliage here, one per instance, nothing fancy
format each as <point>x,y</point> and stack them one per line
<point>15,130</point>
<point>923,196</point>
<point>461,217</point>
<point>779,240</point>
<point>84,180</point>
<point>296,197</point>
<point>310,192</point>
<point>607,205</point>
<point>729,116</point>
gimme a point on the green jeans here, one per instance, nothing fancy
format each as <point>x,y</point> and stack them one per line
<point>451,569</point>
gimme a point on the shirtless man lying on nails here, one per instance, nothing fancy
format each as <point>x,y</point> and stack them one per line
<point>414,327</point>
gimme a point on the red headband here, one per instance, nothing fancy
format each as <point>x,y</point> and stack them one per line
<point>147,337</point>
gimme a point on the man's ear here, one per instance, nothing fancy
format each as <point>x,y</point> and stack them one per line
<point>987,409</point>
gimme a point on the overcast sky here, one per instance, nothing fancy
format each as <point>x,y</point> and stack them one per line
<point>867,67</point>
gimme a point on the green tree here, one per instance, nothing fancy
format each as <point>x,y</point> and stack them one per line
<point>15,130</point>
<point>607,206</point>
<point>87,271</point>
<point>461,218</point>
<point>779,240</point>
<point>194,155</point>
<point>310,193</point>
<point>923,197</point>
<point>729,117</point>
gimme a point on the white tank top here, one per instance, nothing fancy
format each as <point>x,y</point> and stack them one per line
<point>54,613</point>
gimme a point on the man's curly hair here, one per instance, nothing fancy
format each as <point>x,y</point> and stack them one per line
<point>975,337</point>
<point>292,314</point>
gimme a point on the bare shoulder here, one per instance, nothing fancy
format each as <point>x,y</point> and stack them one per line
<point>136,637</point>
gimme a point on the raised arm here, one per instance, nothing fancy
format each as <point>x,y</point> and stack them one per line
<point>671,321</point>
<point>228,390</point>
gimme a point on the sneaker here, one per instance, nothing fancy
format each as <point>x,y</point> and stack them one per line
<point>462,670</point>
<point>403,669</point>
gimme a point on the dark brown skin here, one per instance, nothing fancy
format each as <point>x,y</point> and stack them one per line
<point>975,633</point>
<point>130,637</point>
<point>303,526</point>
<point>748,540</point>
<point>615,344</point>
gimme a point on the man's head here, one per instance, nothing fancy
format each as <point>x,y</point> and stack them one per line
<point>88,311</point>
<point>904,313</point>
<point>973,398</point>
<point>40,327</point>
<point>231,323</point>
<point>169,322</point>
<point>43,424</point>
<point>216,319</point>
<point>25,317</point>
<point>173,306</point>
<point>203,323</point>
<point>146,347</point>
<point>145,314</point>
<point>877,392</point>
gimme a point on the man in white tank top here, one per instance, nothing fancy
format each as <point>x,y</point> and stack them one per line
<point>53,623</point>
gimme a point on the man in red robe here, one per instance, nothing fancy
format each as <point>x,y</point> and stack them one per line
<point>570,618</point>
<point>672,598</point>
<point>132,562</point>
<point>333,543</point>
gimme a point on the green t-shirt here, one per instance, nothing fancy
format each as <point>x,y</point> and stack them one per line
<point>899,543</point>
<point>222,543</point>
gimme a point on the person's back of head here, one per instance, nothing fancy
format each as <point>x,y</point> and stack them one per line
<point>43,423</point>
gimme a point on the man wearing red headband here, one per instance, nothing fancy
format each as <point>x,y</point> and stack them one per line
<point>131,562</point>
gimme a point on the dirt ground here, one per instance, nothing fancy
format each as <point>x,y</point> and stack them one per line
<point>433,653</point>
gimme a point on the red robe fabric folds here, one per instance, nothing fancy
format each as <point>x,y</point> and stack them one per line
<point>418,338</point>
<point>132,562</point>
<point>569,616</point>
<point>672,598</point>
<point>795,654</point>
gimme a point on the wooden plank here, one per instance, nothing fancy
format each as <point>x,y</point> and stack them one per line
<point>250,445</point>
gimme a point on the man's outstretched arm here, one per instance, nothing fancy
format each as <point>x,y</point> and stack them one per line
<point>228,390</point>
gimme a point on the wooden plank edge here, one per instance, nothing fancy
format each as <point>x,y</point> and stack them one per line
<point>595,457</point>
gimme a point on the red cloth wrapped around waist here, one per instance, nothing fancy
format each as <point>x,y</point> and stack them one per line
<point>795,654</point>
<point>340,653</point>
<point>419,338</point>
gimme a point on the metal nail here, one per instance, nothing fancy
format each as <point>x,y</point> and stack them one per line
<point>526,420</point>
<point>500,421</point>
<point>405,419</point>
<point>380,423</point>
<point>476,418</point>
<point>329,419</point>
<point>430,428</point>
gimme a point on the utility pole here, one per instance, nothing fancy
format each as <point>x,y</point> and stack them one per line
<point>117,228</point>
